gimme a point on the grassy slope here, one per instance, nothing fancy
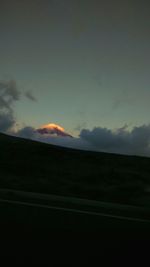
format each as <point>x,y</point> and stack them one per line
<point>34,166</point>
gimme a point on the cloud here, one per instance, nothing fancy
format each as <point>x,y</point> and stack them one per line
<point>30,96</point>
<point>65,141</point>
<point>9,94</point>
<point>120,141</point>
<point>27,132</point>
<point>6,121</point>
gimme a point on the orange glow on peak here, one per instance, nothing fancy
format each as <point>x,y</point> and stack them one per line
<point>53,126</point>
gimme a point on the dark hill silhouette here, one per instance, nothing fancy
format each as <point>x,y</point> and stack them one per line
<point>34,166</point>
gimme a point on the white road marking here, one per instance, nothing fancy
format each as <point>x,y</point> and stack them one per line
<point>73,210</point>
<point>74,200</point>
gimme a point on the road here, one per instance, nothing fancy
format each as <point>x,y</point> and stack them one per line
<point>63,226</point>
<point>59,214</point>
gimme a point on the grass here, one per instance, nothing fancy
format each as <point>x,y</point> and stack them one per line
<point>32,166</point>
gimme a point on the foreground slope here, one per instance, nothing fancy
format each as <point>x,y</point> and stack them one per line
<point>32,166</point>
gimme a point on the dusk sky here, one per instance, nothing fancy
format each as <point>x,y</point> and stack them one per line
<point>84,63</point>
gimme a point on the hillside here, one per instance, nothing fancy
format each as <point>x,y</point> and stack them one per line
<point>32,166</point>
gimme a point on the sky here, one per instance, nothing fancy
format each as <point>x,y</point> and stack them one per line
<point>82,64</point>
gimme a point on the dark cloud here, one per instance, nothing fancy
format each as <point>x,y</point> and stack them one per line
<point>120,141</point>
<point>27,132</point>
<point>30,96</point>
<point>8,94</point>
<point>6,121</point>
